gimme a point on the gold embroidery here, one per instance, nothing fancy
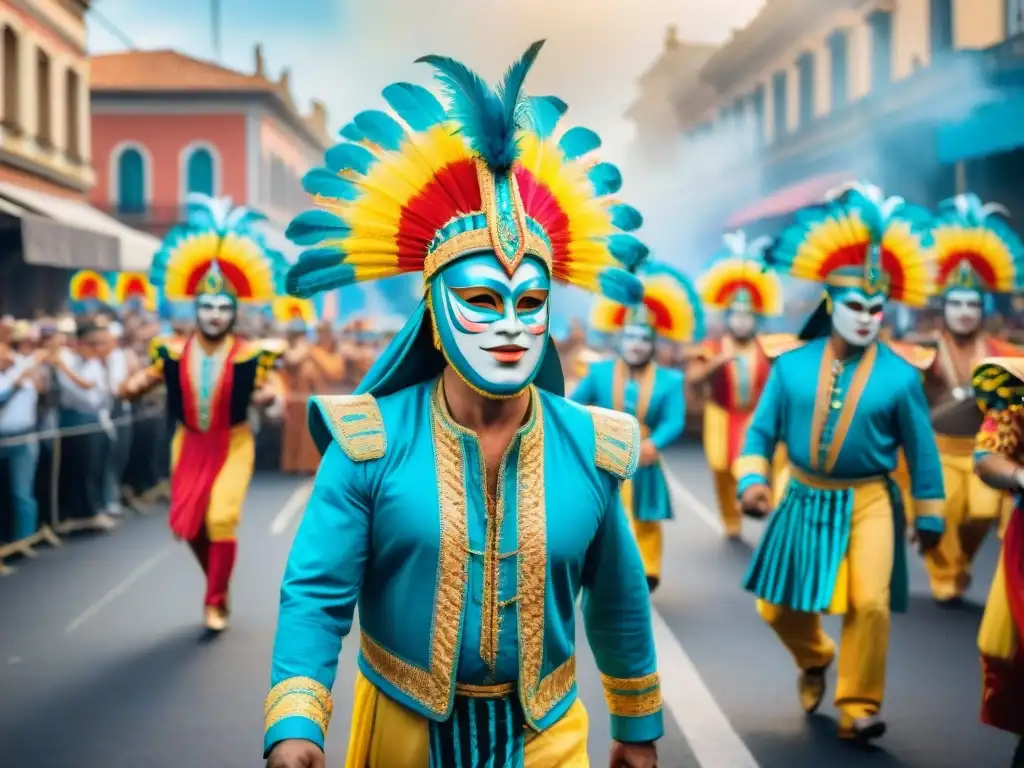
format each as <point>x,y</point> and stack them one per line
<point>477,240</point>
<point>552,689</point>
<point>821,403</point>
<point>630,683</point>
<point>617,440</point>
<point>485,691</point>
<point>751,465</point>
<point>857,384</point>
<point>434,687</point>
<point>298,697</point>
<point>356,424</point>
<point>633,704</point>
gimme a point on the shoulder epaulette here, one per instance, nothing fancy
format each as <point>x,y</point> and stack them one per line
<point>161,346</point>
<point>354,422</point>
<point>775,344</point>
<point>617,441</point>
<point>1001,348</point>
<point>999,382</point>
<point>919,356</point>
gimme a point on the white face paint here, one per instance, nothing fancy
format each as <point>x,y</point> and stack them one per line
<point>637,345</point>
<point>856,317</point>
<point>741,323</point>
<point>215,315</point>
<point>963,310</point>
<point>493,328</point>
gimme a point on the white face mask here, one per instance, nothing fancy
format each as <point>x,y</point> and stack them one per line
<point>215,315</point>
<point>963,311</point>
<point>856,317</point>
<point>637,345</point>
<point>741,323</point>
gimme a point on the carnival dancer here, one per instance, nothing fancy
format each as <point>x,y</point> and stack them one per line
<point>735,366</point>
<point>216,260</point>
<point>843,404</point>
<point>300,378</point>
<point>978,256</point>
<point>999,461</point>
<point>462,502</point>
<point>634,383</point>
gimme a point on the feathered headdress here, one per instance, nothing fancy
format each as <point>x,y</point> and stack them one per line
<point>289,310</point>
<point>670,305</point>
<point>484,173</point>
<point>218,250</point>
<point>134,288</point>
<point>975,248</point>
<point>740,278</point>
<point>87,288</point>
<point>860,238</point>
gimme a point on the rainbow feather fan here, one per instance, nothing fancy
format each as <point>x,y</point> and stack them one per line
<point>671,302</point>
<point>883,240</point>
<point>288,309</point>
<point>975,247</point>
<point>412,188</point>
<point>134,287</point>
<point>740,270</point>
<point>218,235</point>
<point>87,286</point>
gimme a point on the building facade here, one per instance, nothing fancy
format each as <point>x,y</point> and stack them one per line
<point>165,125</point>
<point>915,95</point>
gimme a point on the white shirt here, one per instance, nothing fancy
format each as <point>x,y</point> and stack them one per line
<point>117,372</point>
<point>19,412</point>
<point>91,371</point>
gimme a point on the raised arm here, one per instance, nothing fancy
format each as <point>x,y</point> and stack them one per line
<point>318,598</point>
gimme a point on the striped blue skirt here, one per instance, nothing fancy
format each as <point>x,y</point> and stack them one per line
<point>481,733</point>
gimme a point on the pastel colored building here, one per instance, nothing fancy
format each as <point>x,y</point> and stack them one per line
<point>166,124</point>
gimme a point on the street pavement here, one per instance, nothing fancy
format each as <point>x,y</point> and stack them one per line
<point>103,663</point>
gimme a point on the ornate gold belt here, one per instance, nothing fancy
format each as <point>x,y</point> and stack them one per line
<point>499,691</point>
<point>831,483</point>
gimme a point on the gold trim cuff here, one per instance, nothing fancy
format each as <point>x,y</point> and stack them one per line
<point>298,697</point>
<point>632,697</point>
<point>929,508</point>
<point>751,465</point>
<point>630,683</point>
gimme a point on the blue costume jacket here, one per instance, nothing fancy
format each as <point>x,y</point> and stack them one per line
<point>398,524</point>
<point>840,422</point>
<point>658,403</point>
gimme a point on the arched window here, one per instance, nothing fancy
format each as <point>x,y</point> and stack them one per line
<point>131,182</point>
<point>74,124</point>
<point>199,172</point>
<point>11,82</point>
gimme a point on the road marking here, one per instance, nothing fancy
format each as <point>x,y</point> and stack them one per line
<point>119,590</point>
<point>708,731</point>
<point>295,504</point>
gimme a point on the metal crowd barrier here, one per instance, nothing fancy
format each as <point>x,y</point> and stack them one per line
<point>50,532</point>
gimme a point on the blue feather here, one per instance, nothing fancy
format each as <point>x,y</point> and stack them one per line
<point>313,226</point>
<point>350,132</point>
<point>626,217</point>
<point>381,129</point>
<point>605,178</point>
<point>621,286</point>
<point>415,105</point>
<point>578,141</point>
<point>545,112</point>
<point>349,157</point>
<point>510,87</point>
<point>308,278</point>
<point>320,181</point>
<point>627,250</point>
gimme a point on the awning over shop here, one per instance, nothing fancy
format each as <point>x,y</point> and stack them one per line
<point>991,129</point>
<point>67,233</point>
<point>788,199</point>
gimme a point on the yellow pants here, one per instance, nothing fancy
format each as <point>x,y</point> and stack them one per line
<point>862,594</point>
<point>648,536</point>
<point>972,509</point>
<point>725,491</point>
<point>384,734</point>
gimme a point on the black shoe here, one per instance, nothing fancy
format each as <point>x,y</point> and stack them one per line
<point>652,583</point>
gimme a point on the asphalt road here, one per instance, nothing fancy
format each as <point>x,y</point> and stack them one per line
<point>103,663</point>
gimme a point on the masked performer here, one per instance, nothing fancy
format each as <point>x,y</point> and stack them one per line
<point>736,366</point>
<point>634,383</point>
<point>999,461</point>
<point>462,502</point>
<point>215,260</point>
<point>978,256</point>
<point>844,404</point>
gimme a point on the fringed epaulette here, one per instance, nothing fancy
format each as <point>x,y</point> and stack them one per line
<point>163,346</point>
<point>617,442</point>
<point>774,345</point>
<point>999,382</point>
<point>354,422</point>
<point>917,355</point>
<point>263,348</point>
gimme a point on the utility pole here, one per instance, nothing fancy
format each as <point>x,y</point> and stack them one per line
<point>215,27</point>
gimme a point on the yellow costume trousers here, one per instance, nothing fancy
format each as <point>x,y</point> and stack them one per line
<point>862,595</point>
<point>972,509</point>
<point>384,734</point>
<point>649,536</point>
